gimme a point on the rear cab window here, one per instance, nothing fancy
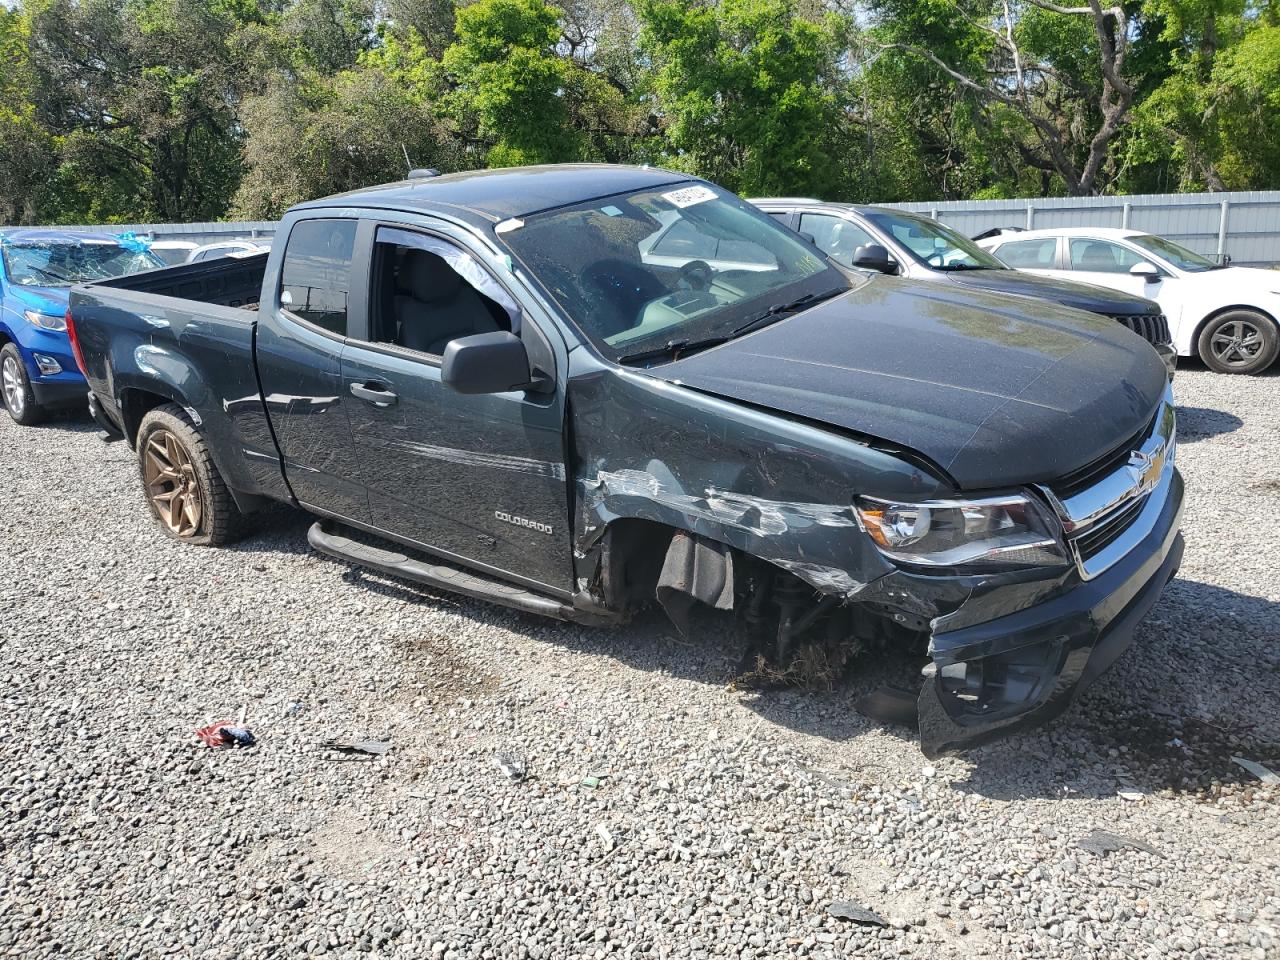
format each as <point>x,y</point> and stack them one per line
<point>315,276</point>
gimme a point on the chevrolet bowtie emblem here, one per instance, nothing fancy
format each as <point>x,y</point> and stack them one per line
<point>1145,468</point>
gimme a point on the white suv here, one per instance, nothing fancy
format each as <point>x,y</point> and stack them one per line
<point>1226,315</point>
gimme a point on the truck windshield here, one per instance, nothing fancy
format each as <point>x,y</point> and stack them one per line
<point>678,267</point>
<point>60,263</point>
<point>933,244</point>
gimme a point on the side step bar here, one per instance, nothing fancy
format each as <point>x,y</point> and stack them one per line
<point>452,579</point>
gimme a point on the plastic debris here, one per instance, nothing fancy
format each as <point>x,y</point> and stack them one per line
<point>226,733</point>
<point>848,910</point>
<point>1130,794</point>
<point>1267,776</point>
<point>513,768</point>
<point>591,782</point>
<point>1100,843</point>
<point>605,836</point>
<point>374,748</point>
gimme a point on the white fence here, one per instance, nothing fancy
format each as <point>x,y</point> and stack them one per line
<point>1245,226</point>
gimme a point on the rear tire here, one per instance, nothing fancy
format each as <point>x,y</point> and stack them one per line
<point>185,492</point>
<point>15,387</point>
<point>1239,341</point>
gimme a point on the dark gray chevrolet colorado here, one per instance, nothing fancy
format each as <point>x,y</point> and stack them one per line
<point>574,389</point>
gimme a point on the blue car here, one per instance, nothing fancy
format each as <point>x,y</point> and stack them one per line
<point>38,371</point>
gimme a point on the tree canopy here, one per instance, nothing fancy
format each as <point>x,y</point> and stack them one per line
<point>136,110</point>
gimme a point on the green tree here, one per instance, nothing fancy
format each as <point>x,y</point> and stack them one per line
<point>141,98</point>
<point>509,83</point>
<point>744,88</point>
<point>25,146</point>
<point>323,135</point>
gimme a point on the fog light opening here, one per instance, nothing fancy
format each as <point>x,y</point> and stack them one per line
<point>47,365</point>
<point>1003,682</point>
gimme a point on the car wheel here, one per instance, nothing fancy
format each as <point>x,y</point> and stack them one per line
<point>183,487</point>
<point>15,386</point>
<point>1239,341</point>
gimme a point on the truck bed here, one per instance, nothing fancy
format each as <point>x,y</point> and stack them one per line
<point>184,334</point>
<point>227,281</point>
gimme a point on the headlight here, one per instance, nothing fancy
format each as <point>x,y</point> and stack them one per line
<point>48,321</point>
<point>1013,530</point>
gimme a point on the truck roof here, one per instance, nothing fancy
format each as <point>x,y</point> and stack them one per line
<point>496,195</point>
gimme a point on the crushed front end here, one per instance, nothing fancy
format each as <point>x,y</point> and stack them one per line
<point>1007,659</point>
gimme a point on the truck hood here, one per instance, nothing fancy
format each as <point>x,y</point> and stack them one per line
<point>993,393</point>
<point>1081,296</point>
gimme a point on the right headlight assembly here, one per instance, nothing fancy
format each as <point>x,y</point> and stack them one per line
<point>1012,530</point>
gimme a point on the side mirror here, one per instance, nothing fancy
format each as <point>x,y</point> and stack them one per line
<point>486,363</point>
<point>1148,271</point>
<point>872,256</point>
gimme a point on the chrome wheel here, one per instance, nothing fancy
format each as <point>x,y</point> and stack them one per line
<point>172,484</point>
<point>15,391</point>
<point>1238,343</point>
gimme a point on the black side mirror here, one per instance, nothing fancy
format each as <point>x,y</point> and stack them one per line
<point>486,363</point>
<point>872,256</point>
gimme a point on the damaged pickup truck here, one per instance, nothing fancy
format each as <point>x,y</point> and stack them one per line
<point>571,390</point>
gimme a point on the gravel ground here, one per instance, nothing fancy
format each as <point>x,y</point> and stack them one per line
<point>664,814</point>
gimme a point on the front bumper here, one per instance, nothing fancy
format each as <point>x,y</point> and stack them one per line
<point>991,679</point>
<point>67,387</point>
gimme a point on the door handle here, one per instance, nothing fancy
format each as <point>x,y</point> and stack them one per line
<point>373,392</point>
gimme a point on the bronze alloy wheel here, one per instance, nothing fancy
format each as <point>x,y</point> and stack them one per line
<point>172,484</point>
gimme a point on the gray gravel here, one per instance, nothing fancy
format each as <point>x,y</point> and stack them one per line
<point>720,823</point>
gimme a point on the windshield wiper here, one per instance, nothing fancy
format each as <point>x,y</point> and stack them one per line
<point>674,349</point>
<point>778,310</point>
<point>947,267</point>
<point>49,273</point>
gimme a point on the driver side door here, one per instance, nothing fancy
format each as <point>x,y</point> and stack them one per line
<point>479,478</point>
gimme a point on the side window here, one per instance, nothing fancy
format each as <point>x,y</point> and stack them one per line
<point>779,215</point>
<point>1100,256</point>
<point>426,292</point>
<point>316,274</point>
<point>835,236</point>
<point>1036,254</point>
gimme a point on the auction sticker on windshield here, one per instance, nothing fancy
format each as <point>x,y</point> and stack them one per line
<point>688,196</point>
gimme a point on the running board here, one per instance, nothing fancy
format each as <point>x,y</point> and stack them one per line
<point>448,578</point>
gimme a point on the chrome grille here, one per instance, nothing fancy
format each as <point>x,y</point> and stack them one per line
<point>1152,327</point>
<point>1108,506</point>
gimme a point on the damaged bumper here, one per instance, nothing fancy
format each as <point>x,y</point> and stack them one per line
<point>991,679</point>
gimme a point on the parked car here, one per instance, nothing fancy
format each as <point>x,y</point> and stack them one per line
<point>1225,315</point>
<point>227,248</point>
<point>173,252</point>
<point>480,383</point>
<point>37,269</point>
<point>906,244</point>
